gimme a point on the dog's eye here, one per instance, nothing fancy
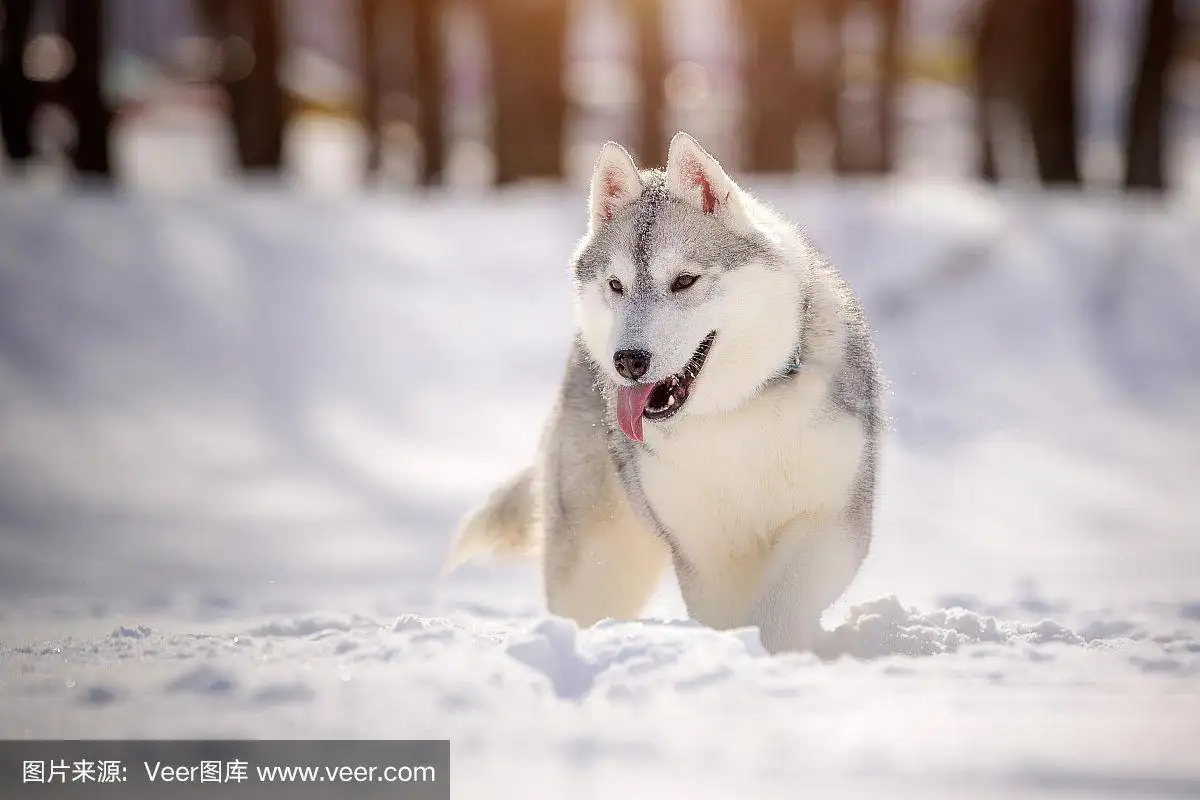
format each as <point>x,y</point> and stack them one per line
<point>683,282</point>
<point>616,286</point>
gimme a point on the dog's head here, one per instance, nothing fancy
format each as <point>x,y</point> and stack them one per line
<point>685,296</point>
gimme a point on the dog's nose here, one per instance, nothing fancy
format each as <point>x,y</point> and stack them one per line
<point>631,364</point>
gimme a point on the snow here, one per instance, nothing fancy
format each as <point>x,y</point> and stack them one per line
<point>237,427</point>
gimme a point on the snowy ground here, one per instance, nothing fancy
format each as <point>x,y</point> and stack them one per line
<point>237,428</point>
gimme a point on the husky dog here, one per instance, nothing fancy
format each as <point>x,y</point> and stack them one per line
<point>720,411</point>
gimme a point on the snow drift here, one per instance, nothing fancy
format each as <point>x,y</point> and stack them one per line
<point>237,431</point>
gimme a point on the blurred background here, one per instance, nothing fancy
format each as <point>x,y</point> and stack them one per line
<point>1096,93</point>
<point>284,292</point>
<point>283,286</point>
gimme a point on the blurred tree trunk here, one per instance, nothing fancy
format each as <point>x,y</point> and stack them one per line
<point>413,27</point>
<point>84,29</point>
<point>869,148</point>
<point>1145,125</point>
<point>1025,59</point>
<point>257,103</point>
<point>258,99</point>
<point>527,42</point>
<point>889,16</point>
<point>833,80</point>
<point>651,59</point>
<point>430,67</point>
<point>1052,107</point>
<point>814,75</point>
<point>18,94</point>
<point>992,75</point>
<point>771,83</point>
<point>370,24</point>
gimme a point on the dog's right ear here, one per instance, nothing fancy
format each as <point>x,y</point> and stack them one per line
<point>615,184</point>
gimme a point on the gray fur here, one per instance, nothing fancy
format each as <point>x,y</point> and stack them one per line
<point>653,201</point>
<point>589,388</point>
<point>575,464</point>
<point>592,260</point>
<point>656,220</point>
<point>624,455</point>
<point>589,481</point>
<point>857,390</point>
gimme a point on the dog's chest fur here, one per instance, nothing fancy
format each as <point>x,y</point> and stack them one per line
<point>724,485</point>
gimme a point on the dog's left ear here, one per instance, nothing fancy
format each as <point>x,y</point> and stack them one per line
<point>696,178</point>
<point>616,184</point>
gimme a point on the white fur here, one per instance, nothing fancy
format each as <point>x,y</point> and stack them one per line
<point>619,563</point>
<point>686,161</point>
<point>751,342</point>
<point>732,485</point>
<point>743,478</point>
<point>615,184</point>
<point>741,474</point>
<point>752,479</point>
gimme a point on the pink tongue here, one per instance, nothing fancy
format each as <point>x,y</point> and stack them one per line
<point>631,402</point>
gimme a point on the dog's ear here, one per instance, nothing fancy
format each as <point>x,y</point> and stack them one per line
<point>696,178</point>
<point>615,184</point>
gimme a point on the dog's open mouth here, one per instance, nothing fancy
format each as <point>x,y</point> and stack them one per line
<point>661,400</point>
<point>668,396</point>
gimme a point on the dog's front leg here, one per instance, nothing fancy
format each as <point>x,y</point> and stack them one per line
<point>601,559</point>
<point>809,570</point>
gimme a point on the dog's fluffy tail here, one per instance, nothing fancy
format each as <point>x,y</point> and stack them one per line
<point>502,526</point>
